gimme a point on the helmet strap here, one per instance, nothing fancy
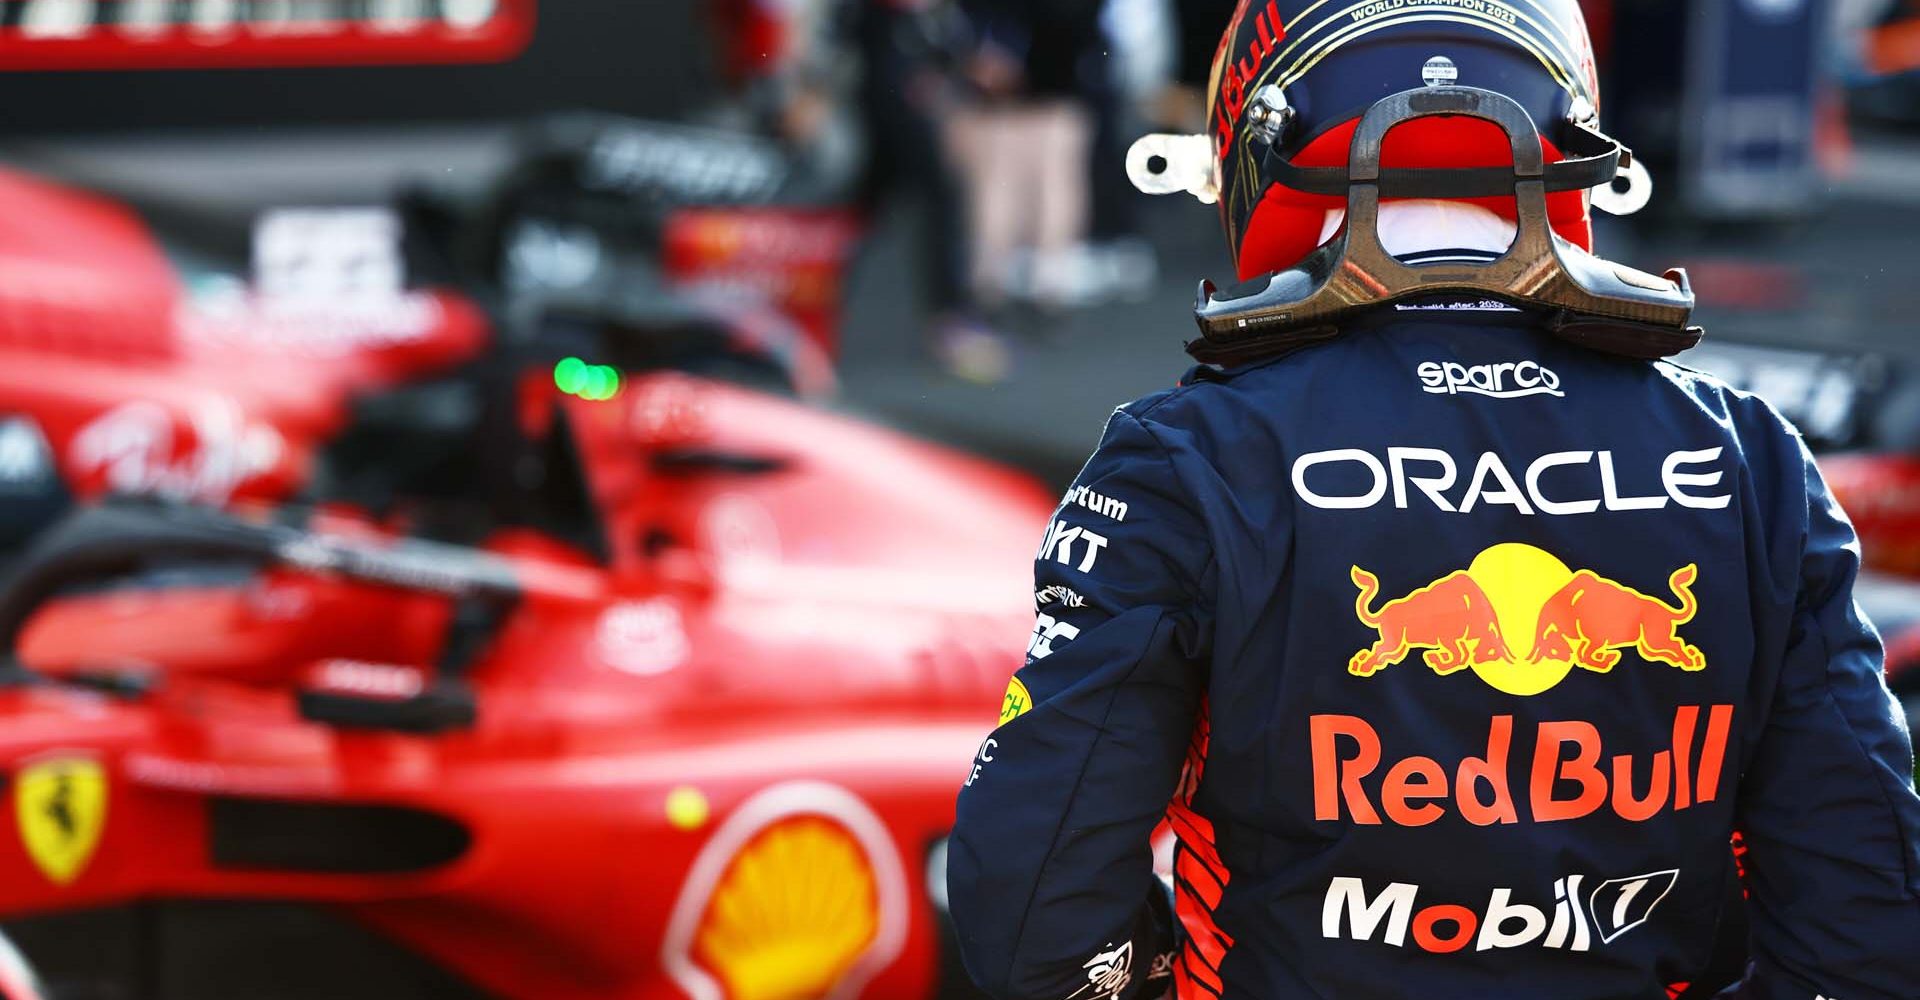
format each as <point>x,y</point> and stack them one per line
<point>1589,301</point>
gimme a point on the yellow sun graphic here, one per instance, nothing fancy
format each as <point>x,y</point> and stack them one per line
<point>1518,579</point>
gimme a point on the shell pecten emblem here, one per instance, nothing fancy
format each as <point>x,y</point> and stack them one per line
<point>795,909</point>
<point>60,809</point>
<point>798,895</point>
<point>1521,620</point>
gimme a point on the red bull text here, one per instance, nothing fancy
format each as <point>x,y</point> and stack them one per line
<point>1566,773</point>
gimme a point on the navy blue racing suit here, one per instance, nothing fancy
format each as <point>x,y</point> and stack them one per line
<point>1452,655</point>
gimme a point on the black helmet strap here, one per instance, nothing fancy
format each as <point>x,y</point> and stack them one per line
<point>1596,303</point>
<point>1594,158</point>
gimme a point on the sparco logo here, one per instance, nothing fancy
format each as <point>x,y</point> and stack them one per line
<point>1604,912</point>
<point>1506,380</point>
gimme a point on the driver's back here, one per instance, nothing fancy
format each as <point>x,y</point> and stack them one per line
<point>1475,647</point>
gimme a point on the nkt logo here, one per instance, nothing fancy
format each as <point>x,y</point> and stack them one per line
<point>1521,621</point>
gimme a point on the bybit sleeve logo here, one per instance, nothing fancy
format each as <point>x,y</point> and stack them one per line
<point>1476,618</point>
<point>1507,380</point>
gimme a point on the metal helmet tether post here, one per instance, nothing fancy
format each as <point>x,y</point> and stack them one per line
<point>1592,302</point>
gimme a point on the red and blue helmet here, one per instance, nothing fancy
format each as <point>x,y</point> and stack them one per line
<point>1293,77</point>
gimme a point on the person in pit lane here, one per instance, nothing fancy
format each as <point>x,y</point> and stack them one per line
<point>1449,628</point>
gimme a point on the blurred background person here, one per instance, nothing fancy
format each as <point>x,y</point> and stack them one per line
<point>753,191</point>
<point>1023,144</point>
<point>859,87</point>
<point>905,49</point>
<point>787,75</point>
<point>1119,261</point>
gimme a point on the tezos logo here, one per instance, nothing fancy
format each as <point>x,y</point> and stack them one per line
<point>1507,380</point>
<point>1577,919</point>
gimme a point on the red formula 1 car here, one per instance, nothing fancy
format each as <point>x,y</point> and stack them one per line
<point>664,692</point>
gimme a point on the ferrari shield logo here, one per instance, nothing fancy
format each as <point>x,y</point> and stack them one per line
<point>61,807</point>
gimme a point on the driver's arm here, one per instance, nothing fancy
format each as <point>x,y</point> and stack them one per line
<point>1050,870</point>
<point>1827,803</point>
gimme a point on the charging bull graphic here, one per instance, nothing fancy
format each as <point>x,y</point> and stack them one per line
<point>1451,618</point>
<point>1602,616</point>
<point>1465,620</point>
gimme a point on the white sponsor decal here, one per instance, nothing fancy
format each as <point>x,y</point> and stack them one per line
<point>135,447</point>
<point>1058,545</point>
<point>1438,71</point>
<point>1047,631</point>
<point>687,165</point>
<point>1506,380</point>
<point>742,538</point>
<point>551,256</point>
<point>1108,973</point>
<point>26,463</point>
<point>1481,305</point>
<point>375,680</point>
<point>1610,909</point>
<point>420,570</point>
<point>1066,597</point>
<point>642,637</point>
<point>1560,483</point>
<point>982,759</point>
<point>1105,506</point>
<point>17,978</point>
<point>338,254</point>
<point>228,315</point>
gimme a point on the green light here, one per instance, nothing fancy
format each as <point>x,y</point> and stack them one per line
<point>570,376</point>
<point>594,383</point>
<point>599,383</point>
<point>609,384</point>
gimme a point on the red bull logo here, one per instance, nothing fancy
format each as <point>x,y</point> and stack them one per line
<point>1470,619</point>
<point>1550,772</point>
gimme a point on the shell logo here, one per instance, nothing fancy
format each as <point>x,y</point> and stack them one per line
<point>799,895</point>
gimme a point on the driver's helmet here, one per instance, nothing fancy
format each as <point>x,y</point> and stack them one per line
<point>1298,74</point>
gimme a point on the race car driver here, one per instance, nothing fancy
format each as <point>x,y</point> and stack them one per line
<point>1450,630</point>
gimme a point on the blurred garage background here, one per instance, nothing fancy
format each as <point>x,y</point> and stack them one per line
<point>807,176</point>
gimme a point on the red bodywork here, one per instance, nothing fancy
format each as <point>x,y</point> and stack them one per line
<point>120,34</point>
<point>795,260</point>
<point>773,674</point>
<point>140,388</point>
<point>1881,494</point>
